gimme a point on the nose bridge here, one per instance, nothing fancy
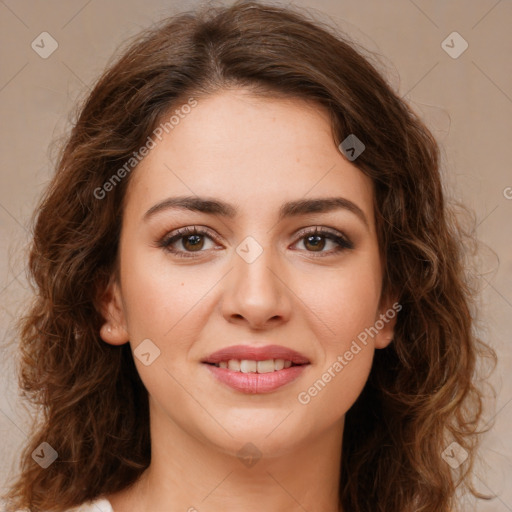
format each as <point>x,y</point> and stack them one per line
<point>254,291</point>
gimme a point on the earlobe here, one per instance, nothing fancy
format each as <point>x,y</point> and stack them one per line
<point>114,329</point>
<point>383,342</point>
<point>385,322</point>
<point>115,335</point>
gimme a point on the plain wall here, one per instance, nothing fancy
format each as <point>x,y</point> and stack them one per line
<point>466,102</point>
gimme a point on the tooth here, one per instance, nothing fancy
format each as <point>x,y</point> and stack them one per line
<point>223,364</point>
<point>266,366</point>
<point>279,364</point>
<point>234,364</point>
<point>287,364</point>
<point>247,366</point>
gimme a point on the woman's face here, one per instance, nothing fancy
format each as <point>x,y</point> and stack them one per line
<point>255,275</point>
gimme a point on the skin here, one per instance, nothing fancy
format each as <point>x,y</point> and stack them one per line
<point>254,154</point>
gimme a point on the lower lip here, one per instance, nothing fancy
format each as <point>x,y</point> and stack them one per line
<point>256,382</point>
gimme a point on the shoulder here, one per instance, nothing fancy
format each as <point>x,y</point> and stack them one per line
<point>97,505</point>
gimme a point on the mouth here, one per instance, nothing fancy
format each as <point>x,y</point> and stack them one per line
<point>253,366</point>
<point>255,369</point>
<point>249,353</point>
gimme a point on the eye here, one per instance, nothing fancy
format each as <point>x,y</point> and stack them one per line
<point>316,240</point>
<point>191,240</point>
<point>184,242</point>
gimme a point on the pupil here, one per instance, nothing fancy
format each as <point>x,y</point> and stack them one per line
<point>318,243</point>
<point>196,241</point>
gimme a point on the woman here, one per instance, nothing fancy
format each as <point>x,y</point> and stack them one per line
<point>250,291</point>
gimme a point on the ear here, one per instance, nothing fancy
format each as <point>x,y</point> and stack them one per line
<point>385,321</point>
<point>114,329</point>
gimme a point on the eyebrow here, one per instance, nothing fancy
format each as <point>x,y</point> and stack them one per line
<point>289,209</point>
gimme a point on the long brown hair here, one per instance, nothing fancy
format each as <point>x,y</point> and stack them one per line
<point>422,393</point>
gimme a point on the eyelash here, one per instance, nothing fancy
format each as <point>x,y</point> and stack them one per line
<point>166,242</point>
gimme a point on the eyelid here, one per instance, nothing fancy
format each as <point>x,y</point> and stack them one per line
<point>322,230</point>
<point>342,241</point>
<point>188,231</point>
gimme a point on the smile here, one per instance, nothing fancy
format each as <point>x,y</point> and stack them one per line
<point>255,377</point>
<point>250,366</point>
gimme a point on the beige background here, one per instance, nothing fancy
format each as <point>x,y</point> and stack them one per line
<point>467,102</point>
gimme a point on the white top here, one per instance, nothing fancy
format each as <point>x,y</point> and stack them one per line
<point>98,505</point>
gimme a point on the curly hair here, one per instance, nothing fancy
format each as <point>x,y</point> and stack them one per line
<point>423,390</point>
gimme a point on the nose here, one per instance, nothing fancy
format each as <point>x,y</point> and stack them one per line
<point>256,293</point>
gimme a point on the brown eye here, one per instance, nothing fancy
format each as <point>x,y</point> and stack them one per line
<point>186,241</point>
<point>193,242</point>
<point>315,242</point>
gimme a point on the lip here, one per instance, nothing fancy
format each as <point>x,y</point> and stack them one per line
<point>256,383</point>
<point>256,353</point>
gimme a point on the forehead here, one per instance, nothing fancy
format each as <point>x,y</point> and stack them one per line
<point>252,151</point>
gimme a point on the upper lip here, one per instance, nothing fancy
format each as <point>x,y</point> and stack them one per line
<point>256,353</point>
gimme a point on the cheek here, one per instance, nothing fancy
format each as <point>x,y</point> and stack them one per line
<point>159,297</point>
<point>345,306</point>
<point>167,305</point>
<point>345,302</point>
<point>332,391</point>
<point>340,306</point>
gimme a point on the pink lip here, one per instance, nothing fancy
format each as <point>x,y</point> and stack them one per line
<point>256,353</point>
<point>256,382</point>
